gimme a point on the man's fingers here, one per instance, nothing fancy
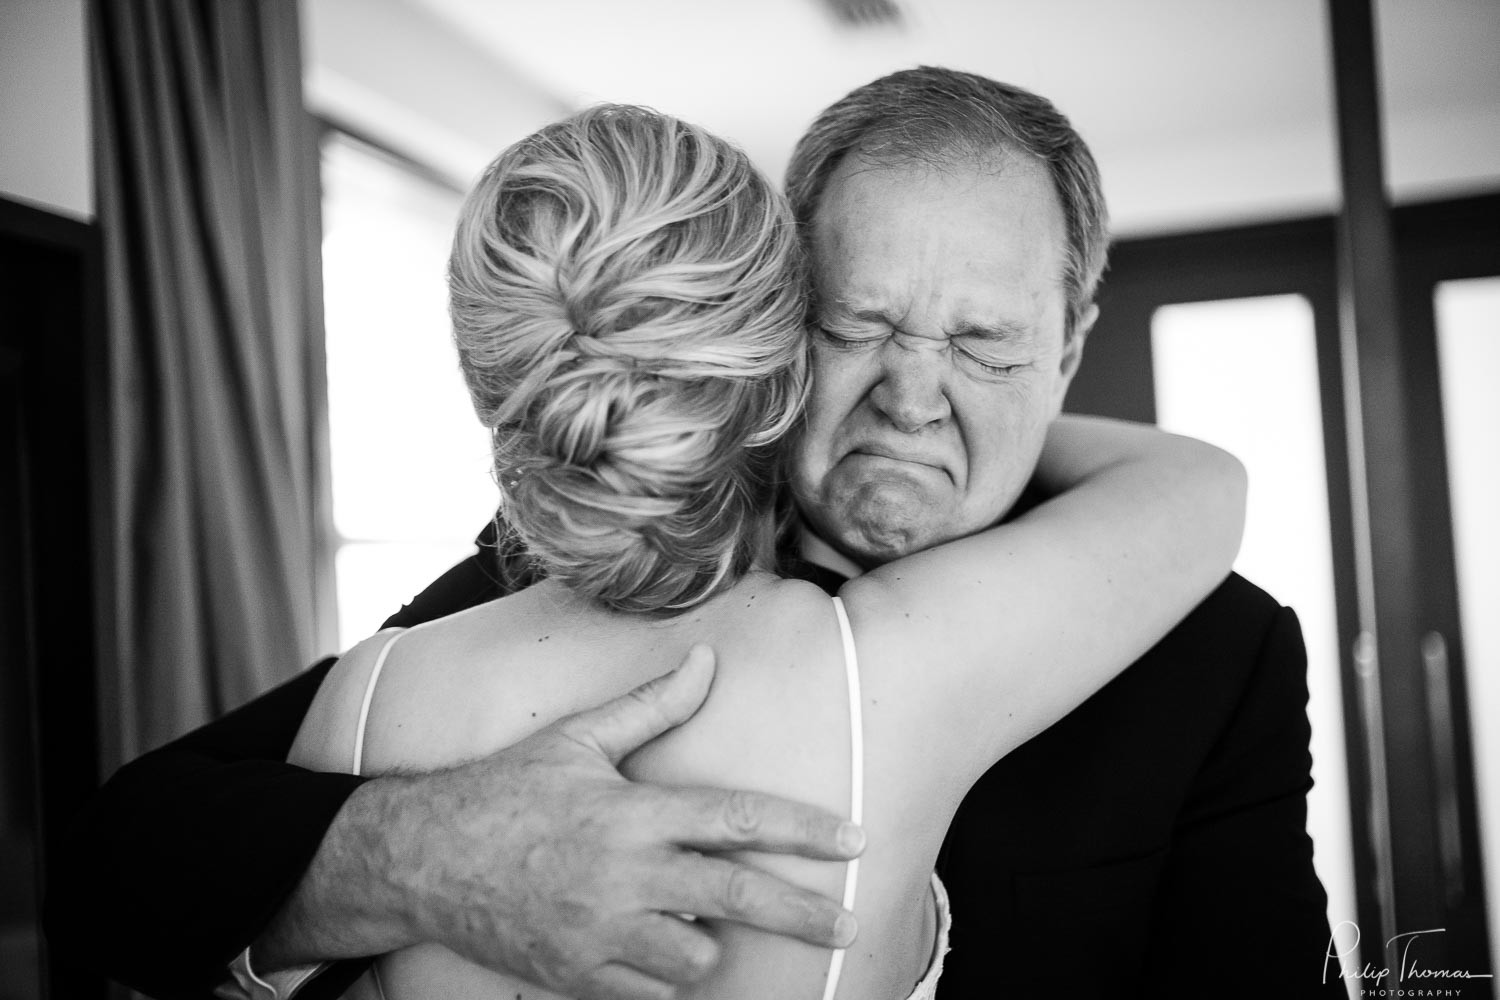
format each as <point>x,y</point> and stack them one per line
<point>712,819</point>
<point>619,982</point>
<point>668,948</point>
<point>726,890</point>
<point>620,726</point>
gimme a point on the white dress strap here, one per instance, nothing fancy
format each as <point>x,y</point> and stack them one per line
<point>364,706</point>
<point>359,754</point>
<point>856,779</point>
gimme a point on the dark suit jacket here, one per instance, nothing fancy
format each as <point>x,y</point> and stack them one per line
<point>1151,844</point>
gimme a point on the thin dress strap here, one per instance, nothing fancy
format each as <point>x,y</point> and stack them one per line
<point>364,706</point>
<point>359,753</point>
<point>856,779</point>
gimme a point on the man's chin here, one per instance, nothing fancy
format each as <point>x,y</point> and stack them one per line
<point>879,525</point>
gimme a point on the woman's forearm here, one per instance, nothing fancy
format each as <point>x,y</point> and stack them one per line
<point>1079,448</point>
<point>1095,463</point>
<point>1031,616</point>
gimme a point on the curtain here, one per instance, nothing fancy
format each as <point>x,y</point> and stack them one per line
<point>207,197</point>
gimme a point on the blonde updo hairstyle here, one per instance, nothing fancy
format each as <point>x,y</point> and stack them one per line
<point>627,295</point>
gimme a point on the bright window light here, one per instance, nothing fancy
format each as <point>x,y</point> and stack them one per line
<point>410,461</point>
<point>1468,328</point>
<point>1243,374</point>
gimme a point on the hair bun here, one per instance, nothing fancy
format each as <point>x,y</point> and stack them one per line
<point>627,301</point>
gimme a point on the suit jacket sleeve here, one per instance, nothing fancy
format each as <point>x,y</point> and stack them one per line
<point>1256,924</point>
<point>182,857</point>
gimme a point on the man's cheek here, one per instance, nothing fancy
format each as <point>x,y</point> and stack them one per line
<point>1000,453</point>
<point>841,377</point>
<point>828,423</point>
<point>806,476</point>
<point>1009,414</point>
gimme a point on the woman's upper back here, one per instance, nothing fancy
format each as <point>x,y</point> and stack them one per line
<point>777,720</point>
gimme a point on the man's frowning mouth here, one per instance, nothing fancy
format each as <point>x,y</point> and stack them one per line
<point>907,456</point>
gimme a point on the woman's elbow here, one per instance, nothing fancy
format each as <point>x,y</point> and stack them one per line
<point>1229,492</point>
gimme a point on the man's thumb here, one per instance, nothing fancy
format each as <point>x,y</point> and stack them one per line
<point>621,726</point>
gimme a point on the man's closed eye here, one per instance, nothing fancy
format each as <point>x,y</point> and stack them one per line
<point>846,340</point>
<point>987,365</point>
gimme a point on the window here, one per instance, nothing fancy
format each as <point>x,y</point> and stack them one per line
<point>1243,374</point>
<point>1468,340</point>
<point>410,462</point>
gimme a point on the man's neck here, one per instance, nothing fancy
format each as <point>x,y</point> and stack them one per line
<point>818,552</point>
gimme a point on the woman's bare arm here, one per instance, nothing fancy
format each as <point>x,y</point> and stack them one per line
<point>1002,633</point>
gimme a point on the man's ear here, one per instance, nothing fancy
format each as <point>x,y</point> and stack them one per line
<point>1072,353</point>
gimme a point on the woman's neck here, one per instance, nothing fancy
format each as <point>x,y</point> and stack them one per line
<point>764,536</point>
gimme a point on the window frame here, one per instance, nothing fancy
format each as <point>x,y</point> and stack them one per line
<point>330,540</point>
<point>1435,241</point>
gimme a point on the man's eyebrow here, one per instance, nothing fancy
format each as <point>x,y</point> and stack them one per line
<point>868,314</point>
<point>1000,329</point>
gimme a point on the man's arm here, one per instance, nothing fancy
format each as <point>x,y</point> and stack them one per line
<point>183,854</point>
<point>181,858</point>
<point>1239,880</point>
<point>187,854</point>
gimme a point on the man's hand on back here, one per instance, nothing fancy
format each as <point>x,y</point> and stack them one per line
<point>541,860</point>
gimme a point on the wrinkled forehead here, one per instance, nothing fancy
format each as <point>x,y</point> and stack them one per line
<point>941,232</point>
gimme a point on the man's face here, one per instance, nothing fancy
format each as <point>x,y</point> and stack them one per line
<point>938,351</point>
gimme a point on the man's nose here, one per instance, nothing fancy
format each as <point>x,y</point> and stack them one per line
<point>910,393</point>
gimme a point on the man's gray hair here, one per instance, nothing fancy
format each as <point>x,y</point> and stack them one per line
<point>943,116</point>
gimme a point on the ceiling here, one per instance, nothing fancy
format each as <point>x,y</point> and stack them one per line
<point>1195,108</point>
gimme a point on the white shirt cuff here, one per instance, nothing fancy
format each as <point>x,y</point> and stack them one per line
<point>244,984</point>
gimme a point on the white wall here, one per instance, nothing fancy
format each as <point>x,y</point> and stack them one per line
<point>1440,101</point>
<point>1201,112</point>
<point>393,71</point>
<point>45,143</point>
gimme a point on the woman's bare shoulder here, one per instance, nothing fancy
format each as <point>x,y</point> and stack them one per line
<point>778,696</point>
<point>447,684</point>
<point>325,741</point>
<point>776,721</point>
<point>796,606</point>
<point>463,685</point>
